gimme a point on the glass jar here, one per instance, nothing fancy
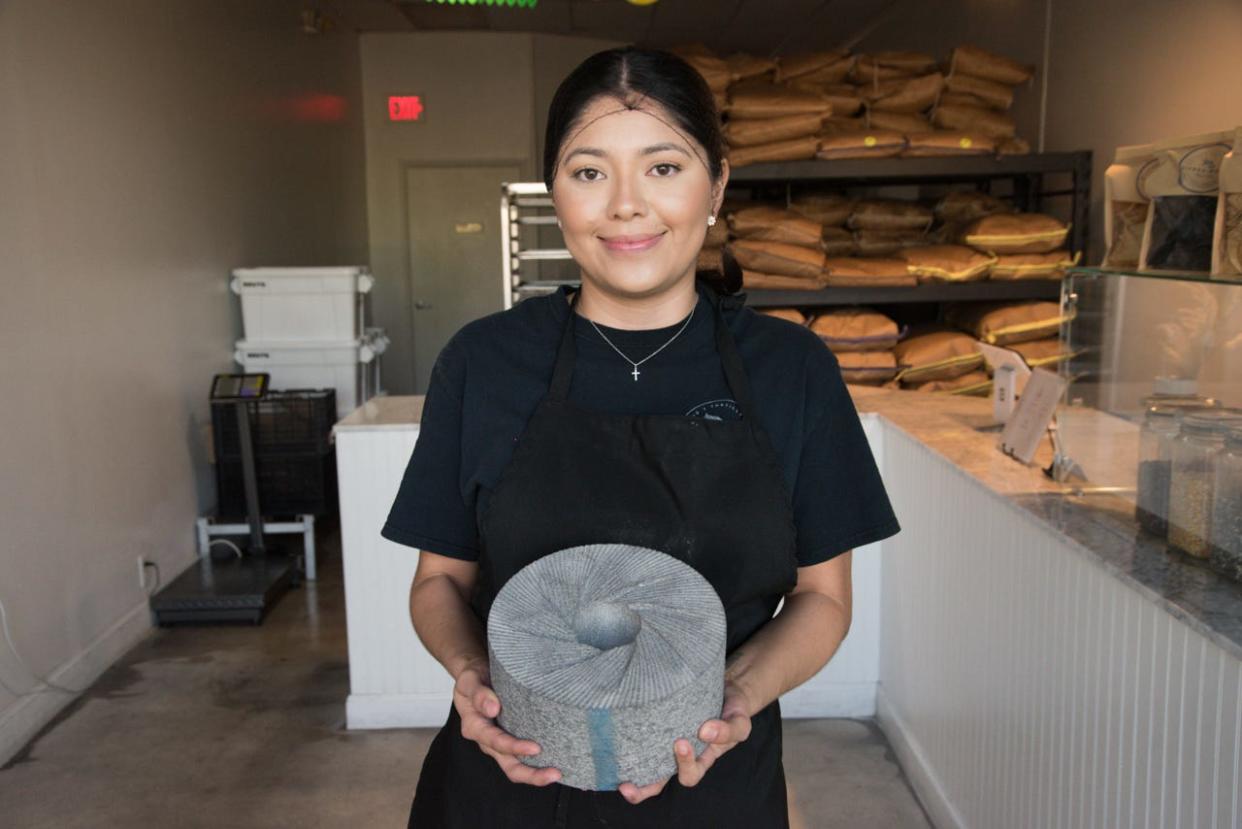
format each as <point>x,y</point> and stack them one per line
<point>1226,553</point>
<point>1151,508</point>
<point>1200,439</point>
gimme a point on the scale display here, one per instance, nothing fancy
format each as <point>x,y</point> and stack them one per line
<point>239,386</point>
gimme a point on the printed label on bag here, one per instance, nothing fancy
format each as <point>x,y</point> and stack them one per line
<point>1199,170</point>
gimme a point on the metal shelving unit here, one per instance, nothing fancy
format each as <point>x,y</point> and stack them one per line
<point>534,266</point>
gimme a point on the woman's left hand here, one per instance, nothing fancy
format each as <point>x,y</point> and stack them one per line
<point>720,735</point>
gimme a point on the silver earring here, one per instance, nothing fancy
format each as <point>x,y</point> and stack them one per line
<point>558,224</point>
<point>711,221</point>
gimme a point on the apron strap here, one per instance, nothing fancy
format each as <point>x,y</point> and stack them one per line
<point>726,346</point>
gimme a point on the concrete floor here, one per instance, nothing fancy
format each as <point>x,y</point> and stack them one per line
<point>244,727</point>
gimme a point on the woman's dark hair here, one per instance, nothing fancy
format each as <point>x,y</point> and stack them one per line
<point>633,75</point>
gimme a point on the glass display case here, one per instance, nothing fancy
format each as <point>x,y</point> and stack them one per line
<point>1152,411</point>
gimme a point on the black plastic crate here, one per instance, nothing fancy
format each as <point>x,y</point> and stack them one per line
<point>297,421</point>
<point>288,485</point>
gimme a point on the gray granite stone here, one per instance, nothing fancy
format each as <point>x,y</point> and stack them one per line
<point>605,655</point>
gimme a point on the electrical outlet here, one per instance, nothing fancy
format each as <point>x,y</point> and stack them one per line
<point>142,573</point>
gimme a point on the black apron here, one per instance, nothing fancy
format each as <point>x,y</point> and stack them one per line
<point>710,493</point>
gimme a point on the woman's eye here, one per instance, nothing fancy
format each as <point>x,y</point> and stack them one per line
<point>587,174</point>
<point>665,169</point>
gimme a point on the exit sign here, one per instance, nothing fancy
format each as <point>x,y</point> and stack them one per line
<point>404,107</point>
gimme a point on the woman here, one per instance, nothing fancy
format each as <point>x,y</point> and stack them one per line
<point>647,408</point>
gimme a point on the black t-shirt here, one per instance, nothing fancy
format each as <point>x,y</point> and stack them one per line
<point>492,374</point>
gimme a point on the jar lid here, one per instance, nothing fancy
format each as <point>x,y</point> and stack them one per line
<point>1211,421</point>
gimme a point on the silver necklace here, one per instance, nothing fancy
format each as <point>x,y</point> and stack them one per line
<point>636,372</point>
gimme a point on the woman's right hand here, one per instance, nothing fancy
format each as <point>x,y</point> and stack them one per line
<point>478,706</point>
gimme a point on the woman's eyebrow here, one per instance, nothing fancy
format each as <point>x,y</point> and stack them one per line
<point>652,150</point>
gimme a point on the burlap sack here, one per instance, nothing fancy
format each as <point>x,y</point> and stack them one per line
<point>869,144</point>
<point>1014,146</point>
<point>865,71</point>
<point>1005,323</point>
<point>825,208</point>
<point>795,149</point>
<point>744,66</point>
<point>837,241</point>
<point>941,143</point>
<point>867,367</point>
<point>757,281</point>
<point>965,206</point>
<point>890,214</point>
<point>914,95</point>
<point>886,242</point>
<point>936,353</point>
<point>971,60</point>
<point>750,132</point>
<point>845,271</point>
<point>844,101</point>
<point>778,258</point>
<point>947,263</point>
<point>714,70</point>
<point>711,259</point>
<point>901,122</point>
<point>835,126</point>
<point>1016,233</point>
<point>791,314</point>
<point>1052,265</point>
<point>856,329</point>
<point>948,99</point>
<point>1046,352</point>
<point>717,235</point>
<point>971,384</point>
<point>755,101</point>
<point>974,119</point>
<point>831,73</point>
<point>994,95</point>
<point>913,63</point>
<point>808,63</point>
<point>775,224</point>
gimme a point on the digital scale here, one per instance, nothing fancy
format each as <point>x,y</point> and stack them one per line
<point>242,587</point>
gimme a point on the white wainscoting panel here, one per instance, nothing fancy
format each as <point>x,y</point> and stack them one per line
<point>1023,685</point>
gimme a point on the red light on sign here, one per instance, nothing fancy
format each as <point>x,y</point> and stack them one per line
<point>404,107</point>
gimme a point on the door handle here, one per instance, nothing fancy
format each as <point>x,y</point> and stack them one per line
<point>419,305</point>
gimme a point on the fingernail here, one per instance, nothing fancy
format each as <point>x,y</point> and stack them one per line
<point>683,749</point>
<point>709,732</point>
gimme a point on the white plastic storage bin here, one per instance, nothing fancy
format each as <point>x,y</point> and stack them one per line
<point>314,365</point>
<point>287,304</point>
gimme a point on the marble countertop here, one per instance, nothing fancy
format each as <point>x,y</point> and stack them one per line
<point>963,432</point>
<point>387,413</point>
<point>1099,525</point>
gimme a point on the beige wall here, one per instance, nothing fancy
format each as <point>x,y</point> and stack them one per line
<point>490,107</point>
<point>144,151</point>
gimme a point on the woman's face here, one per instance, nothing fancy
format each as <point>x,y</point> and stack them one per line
<point>633,195</point>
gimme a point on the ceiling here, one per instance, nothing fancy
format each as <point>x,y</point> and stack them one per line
<point>760,26</point>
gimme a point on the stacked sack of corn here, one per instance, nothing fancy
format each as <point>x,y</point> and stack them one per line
<point>831,104</point>
<point>863,341</point>
<point>937,358</point>
<point>1023,245</point>
<point>1030,328</point>
<point>767,120</point>
<point>777,248</point>
<point>978,92</point>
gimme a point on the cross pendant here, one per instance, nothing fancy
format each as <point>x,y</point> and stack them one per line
<point>635,373</point>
